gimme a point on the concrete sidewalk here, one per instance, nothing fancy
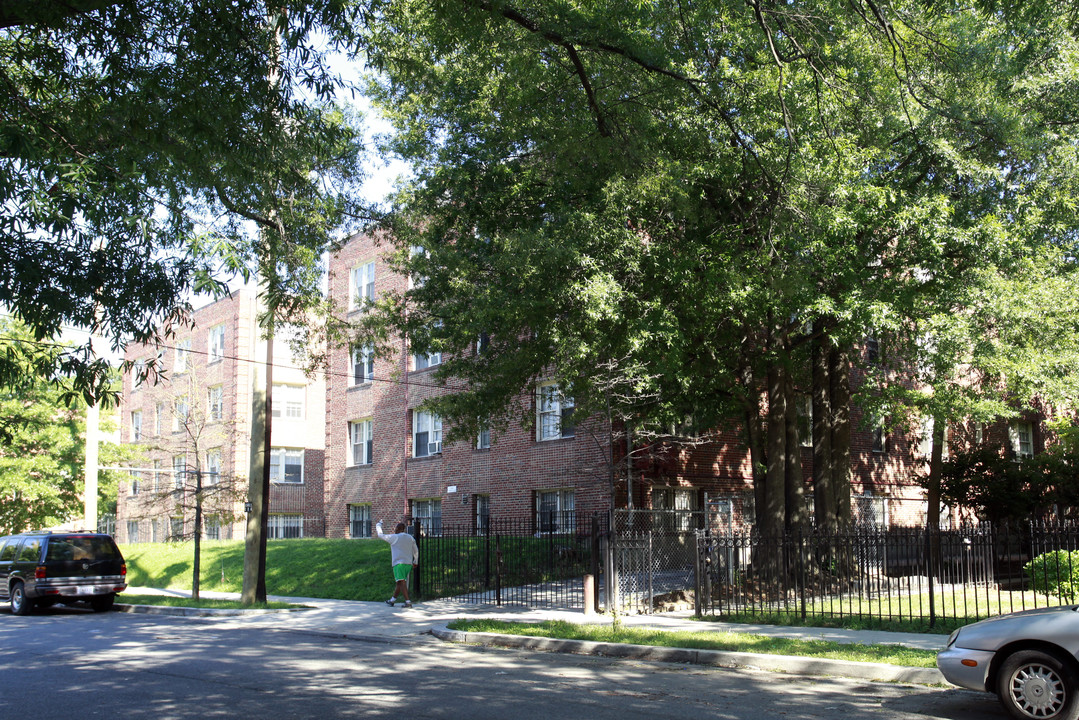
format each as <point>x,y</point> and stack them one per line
<point>376,621</point>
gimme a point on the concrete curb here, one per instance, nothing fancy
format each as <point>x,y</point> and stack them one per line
<point>877,672</point>
<point>198,612</point>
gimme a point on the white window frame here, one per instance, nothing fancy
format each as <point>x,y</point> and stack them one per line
<point>681,501</point>
<point>136,425</point>
<point>360,442</point>
<point>483,439</point>
<point>560,507</point>
<point>289,401</point>
<point>426,431</point>
<point>134,488</point>
<point>213,467</point>
<point>361,286</point>
<point>429,512</point>
<point>181,412</point>
<point>159,418</point>
<point>359,518</point>
<point>133,531</point>
<point>279,464</point>
<point>362,366</point>
<point>215,400</point>
<point>1021,437</point>
<point>179,471</point>
<point>281,526</point>
<point>552,409</point>
<point>138,367</point>
<point>181,359</point>
<point>215,343</point>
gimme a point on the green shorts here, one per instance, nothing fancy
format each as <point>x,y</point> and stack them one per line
<point>401,571</point>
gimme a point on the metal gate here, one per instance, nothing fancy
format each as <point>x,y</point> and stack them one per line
<point>651,556</point>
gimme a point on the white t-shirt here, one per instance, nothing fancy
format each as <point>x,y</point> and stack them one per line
<point>403,548</point>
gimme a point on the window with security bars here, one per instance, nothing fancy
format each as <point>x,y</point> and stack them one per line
<point>483,514</point>
<point>359,521</point>
<point>680,504</point>
<point>555,511</point>
<point>429,515</point>
<point>281,526</point>
<point>361,442</point>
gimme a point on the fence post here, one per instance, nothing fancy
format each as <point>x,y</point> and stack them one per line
<point>498,570</point>
<point>802,570</point>
<point>929,572</point>
<point>418,585</point>
<point>595,557</point>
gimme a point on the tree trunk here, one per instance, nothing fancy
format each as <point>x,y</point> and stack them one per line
<point>196,564</point>
<point>794,486</point>
<point>839,377</point>
<point>936,463</point>
<point>756,446</point>
<point>775,511</point>
<point>824,506</point>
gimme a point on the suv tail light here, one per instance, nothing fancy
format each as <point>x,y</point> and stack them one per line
<point>39,573</point>
<point>123,569</point>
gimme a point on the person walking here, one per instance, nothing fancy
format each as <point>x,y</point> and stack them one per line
<point>404,556</point>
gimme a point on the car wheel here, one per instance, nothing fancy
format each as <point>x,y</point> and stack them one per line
<point>20,604</point>
<point>102,603</point>
<point>1033,684</point>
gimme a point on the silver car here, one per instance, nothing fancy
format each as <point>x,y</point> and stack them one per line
<point>1029,659</point>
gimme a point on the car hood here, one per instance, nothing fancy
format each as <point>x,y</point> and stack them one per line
<point>1058,625</point>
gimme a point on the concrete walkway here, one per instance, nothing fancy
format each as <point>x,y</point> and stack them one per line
<point>379,622</point>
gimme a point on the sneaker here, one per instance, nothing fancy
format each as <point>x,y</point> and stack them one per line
<point>408,604</point>
<point>391,601</point>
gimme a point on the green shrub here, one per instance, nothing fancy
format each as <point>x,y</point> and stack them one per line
<point>1055,573</point>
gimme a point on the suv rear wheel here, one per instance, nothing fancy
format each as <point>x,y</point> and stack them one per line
<point>20,604</point>
<point>102,603</point>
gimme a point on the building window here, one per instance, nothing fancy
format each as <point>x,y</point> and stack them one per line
<point>483,514</point>
<point>181,411</point>
<point>555,511</point>
<point>1021,435</point>
<point>211,528</point>
<point>215,343</point>
<point>288,401</point>
<point>155,531</point>
<point>157,476</point>
<point>361,442</point>
<point>483,342</point>
<point>554,412</point>
<point>429,515</point>
<point>879,437</point>
<point>215,399</point>
<point>362,286</point>
<point>359,521</point>
<point>138,374</point>
<point>422,362</point>
<point>679,504</point>
<point>132,531</point>
<point>426,434</point>
<point>134,483</point>
<point>159,418</point>
<point>281,526</point>
<point>183,351</point>
<point>483,440</point>
<point>136,425</point>
<point>179,471</point>
<point>213,467</point>
<point>872,350</point>
<point>363,365</point>
<point>872,511</point>
<point>286,465</point>
<point>176,528</point>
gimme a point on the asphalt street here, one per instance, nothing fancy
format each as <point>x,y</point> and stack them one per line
<point>65,663</point>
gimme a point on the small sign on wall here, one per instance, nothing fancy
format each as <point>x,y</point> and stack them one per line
<point>451,489</point>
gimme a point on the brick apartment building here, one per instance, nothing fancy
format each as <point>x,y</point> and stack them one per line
<point>385,458</point>
<point>197,419</point>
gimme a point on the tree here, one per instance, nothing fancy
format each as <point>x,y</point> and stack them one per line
<point>146,155</point>
<point>43,448</point>
<point>718,193</point>
<point>193,478</point>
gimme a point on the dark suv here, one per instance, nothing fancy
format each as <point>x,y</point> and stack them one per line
<point>45,568</point>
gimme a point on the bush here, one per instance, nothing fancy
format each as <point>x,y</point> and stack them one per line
<point>1055,573</point>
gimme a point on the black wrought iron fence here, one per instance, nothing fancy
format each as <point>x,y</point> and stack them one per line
<point>513,561</point>
<point>906,574</point>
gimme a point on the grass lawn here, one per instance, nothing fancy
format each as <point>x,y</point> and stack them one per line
<point>739,642</point>
<point>307,567</point>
